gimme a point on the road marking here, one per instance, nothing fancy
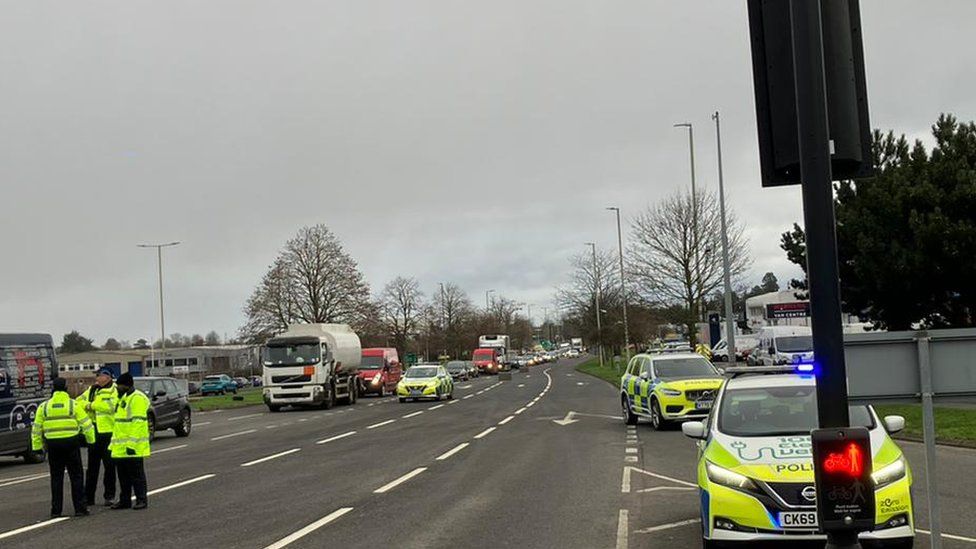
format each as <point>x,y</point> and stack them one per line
<point>465,387</point>
<point>529,405</point>
<point>303,419</point>
<point>202,423</point>
<point>667,526</point>
<point>622,528</point>
<point>235,418</point>
<point>177,485</point>
<point>222,437</point>
<point>32,527</point>
<point>453,401</point>
<point>630,459</point>
<point>485,433</point>
<point>631,450</point>
<point>479,392</point>
<point>665,489</point>
<point>270,426</point>
<point>371,404</point>
<point>380,424</point>
<point>436,407</point>
<point>337,437</point>
<point>272,456</point>
<point>520,410</point>
<point>24,479</point>
<point>580,383</point>
<point>452,451</point>
<point>467,397</point>
<point>506,420</point>
<point>414,414</point>
<point>170,448</point>
<point>284,542</point>
<point>387,487</point>
<point>520,385</point>
<point>625,482</point>
<point>928,533</point>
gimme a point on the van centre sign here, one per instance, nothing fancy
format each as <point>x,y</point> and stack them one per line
<point>795,309</point>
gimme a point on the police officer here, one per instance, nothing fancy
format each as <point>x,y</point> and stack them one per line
<point>58,427</point>
<point>130,443</point>
<point>99,401</point>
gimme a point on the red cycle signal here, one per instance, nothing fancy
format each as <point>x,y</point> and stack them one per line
<point>849,462</point>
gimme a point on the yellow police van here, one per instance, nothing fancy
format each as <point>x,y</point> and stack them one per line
<point>668,387</point>
<point>755,463</point>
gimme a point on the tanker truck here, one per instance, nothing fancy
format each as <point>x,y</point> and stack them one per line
<point>311,365</point>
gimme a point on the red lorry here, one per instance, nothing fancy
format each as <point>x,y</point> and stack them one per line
<point>379,371</point>
<point>487,360</point>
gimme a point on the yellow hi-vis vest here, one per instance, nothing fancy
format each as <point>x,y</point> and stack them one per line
<point>60,418</point>
<point>130,435</point>
<point>102,407</point>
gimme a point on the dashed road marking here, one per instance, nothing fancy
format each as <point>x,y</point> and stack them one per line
<point>337,437</point>
<point>387,487</point>
<point>272,456</point>
<point>284,542</point>
<point>506,420</point>
<point>21,480</point>
<point>622,528</point>
<point>382,423</point>
<point>414,414</point>
<point>202,423</point>
<point>235,418</point>
<point>485,433</point>
<point>947,536</point>
<point>467,397</point>
<point>178,485</point>
<point>520,410</point>
<point>630,459</point>
<point>452,451</point>
<point>222,437</point>
<point>631,450</point>
<point>171,448</point>
<point>436,407</point>
<point>32,527</point>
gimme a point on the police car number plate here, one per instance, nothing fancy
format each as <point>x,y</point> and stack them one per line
<point>798,519</point>
<point>703,404</point>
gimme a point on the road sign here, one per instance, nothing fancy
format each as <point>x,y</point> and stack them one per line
<point>181,370</point>
<point>842,469</point>
<point>796,309</point>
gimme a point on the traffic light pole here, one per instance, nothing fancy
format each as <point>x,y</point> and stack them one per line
<point>818,217</point>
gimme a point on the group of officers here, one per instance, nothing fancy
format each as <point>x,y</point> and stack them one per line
<point>111,418</point>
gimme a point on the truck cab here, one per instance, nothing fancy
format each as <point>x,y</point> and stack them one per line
<point>311,365</point>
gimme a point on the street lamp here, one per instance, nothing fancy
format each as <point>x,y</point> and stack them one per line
<point>487,304</point>
<point>159,259</point>
<point>623,283</point>
<point>694,205</point>
<point>727,275</point>
<point>596,277</point>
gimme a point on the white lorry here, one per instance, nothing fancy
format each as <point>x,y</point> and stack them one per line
<point>501,344</point>
<point>311,365</point>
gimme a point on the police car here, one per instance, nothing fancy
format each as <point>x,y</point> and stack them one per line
<point>668,387</point>
<point>755,466</point>
<point>425,381</point>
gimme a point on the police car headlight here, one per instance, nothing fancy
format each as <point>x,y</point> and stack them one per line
<point>889,473</point>
<point>720,475</point>
<point>671,392</point>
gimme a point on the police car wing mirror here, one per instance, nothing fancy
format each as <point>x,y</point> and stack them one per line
<point>644,375</point>
<point>693,429</point>
<point>894,424</point>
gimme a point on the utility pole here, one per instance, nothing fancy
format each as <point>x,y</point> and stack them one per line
<point>159,259</point>
<point>694,212</point>
<point>596,277</point>
<point>487,302</point>
<point>623,284</point>
<point>726,266</point>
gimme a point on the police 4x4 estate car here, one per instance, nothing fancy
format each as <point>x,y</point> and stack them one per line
<point>755,463</point>
<point>666,388</point>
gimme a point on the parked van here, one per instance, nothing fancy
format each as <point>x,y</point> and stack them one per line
<point>27,367</point>
<point>784,345</point>
<point>380,371</point>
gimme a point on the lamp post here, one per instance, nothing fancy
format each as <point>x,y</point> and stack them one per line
<point>159,259</point>
<point>487,303</point>
<point>727,275</point>
<point>694,208</point>
<point>623,283</point>
<point>596,277</point>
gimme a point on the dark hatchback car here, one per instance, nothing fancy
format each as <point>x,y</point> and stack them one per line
<point>170,405</point>
<point>458,370</point>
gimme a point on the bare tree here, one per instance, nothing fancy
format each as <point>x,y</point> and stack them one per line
<point>453,311</point>
<point>313,280</point>
<point>401,308</point>
<point>674,261</point>
<point>577,298</point>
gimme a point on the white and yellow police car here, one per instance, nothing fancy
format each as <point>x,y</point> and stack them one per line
<point>668,387</point>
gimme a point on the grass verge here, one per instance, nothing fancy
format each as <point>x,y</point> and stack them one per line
<point>952,425</point>
<point>251,396</point>
<point>607,373</point>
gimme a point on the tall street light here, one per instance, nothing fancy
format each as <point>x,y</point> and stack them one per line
<point>596,277</point>
<point>694,203</point>
<point>729,326</point>
<point>159,260</point>
<point>623,283</point>
<point>487,303</point>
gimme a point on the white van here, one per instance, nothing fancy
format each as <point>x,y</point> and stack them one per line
<point>784,345</point>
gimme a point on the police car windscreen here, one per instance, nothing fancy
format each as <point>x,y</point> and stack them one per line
<point>774,411</point>
<point>684,367</point>
<point>421,372</point>
<point>794,344</point>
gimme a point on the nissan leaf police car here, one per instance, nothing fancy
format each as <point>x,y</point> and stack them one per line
<point>755,464</point>
<point>668,387</point>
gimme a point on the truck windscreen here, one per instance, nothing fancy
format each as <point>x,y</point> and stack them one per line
<point>291,355</point>
<point>371,363</point>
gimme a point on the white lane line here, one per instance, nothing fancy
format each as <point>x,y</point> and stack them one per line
<point>520,410</point>
<point>243,417</point>
<point>622,528</point>
<point>32,527</point>
<point>520,385</point>
<point>453,401</point>
<point>630,459</point>
<point>270,426</point>
<point>303,419</point>
<point>380,424</point>
<point>479,392</point>
<point>177,485</point>
<point>452,451</point>
<point>371,404</point>
<point>667,526</point>
<point>506,420</point>
<point>414,414</point>
<point>485,433</point>
<point>631,450</point>
<point>202,423</point>
<point>467,397</point>
<point>387,487</point>
<point>337,437</point>
<point>24,479</point>
<point>946,536</point>
<point>222,437</point>
<point>284,542</point>
<point>170,448</point>
<point>529,405</point>
<point>436,407</point>
<point>272,456</point>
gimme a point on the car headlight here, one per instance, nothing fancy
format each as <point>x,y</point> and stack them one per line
<point>671,392</point>
<point>720,475</point>
<point>376,378</point>
<point>889,473</point>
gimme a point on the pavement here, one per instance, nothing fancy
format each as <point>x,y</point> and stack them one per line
<point>542,461</point>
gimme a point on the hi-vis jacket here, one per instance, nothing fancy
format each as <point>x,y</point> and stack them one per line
<point>102,407</point>
<point>130,436</point>
<point>59,418</point>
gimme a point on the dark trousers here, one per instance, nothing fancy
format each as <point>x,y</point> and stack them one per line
<point>65,454</point>
<point>132,478</point>
<point>99,455</point>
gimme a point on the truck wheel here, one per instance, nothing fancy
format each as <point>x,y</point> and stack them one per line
<point>329,401</point>
<point>33,457</point>
<point>274,408</point>
<point>183,427</point>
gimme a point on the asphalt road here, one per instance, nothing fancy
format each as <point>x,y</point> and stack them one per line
<point>502,465</point>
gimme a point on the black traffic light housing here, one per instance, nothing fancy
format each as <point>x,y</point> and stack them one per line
<point>842,467</point>
<point>847,103</point>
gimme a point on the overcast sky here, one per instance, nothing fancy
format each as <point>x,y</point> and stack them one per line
<point>473,142</point>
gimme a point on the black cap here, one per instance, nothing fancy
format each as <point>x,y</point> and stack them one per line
<point>125,379</point>
<point>60,384</point>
